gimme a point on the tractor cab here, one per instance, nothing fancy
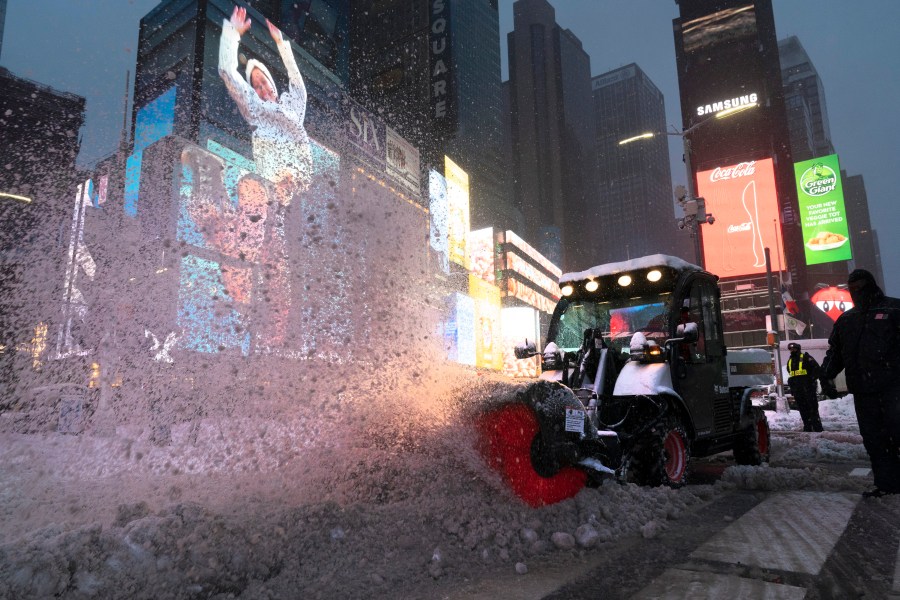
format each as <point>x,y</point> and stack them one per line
<point>646,327</point>
<point>634,383</point>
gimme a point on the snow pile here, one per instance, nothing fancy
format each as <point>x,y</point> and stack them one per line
<point>381,498</point>
<point>836,415</point>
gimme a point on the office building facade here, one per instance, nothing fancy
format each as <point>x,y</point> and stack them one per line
<point>633,205</point>
<point>552,133</point>
<point>431,70</point>
<point>727,58</point>
<point>40,143</point>
<point>804,95</point>
<point>863,237</point>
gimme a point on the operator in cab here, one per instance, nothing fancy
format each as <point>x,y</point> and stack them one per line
<point>803,371</point>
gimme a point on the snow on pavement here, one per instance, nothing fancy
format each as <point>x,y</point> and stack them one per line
<point>376,503</point>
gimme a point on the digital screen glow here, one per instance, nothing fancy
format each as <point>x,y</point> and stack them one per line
<point>743,199</point>
<point>529,295</point>
<point>440,212</point>
<point>458,211</point>
<point>488,354</point>
<point>241,299</point>
<point>823,217</point>
<point>518,324</point>
<point>518,242</point>
<point>153,121</point>
<point>459,329</point>
<point>481,253</point>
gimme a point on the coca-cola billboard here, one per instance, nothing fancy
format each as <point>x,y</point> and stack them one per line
<point>743,200</point>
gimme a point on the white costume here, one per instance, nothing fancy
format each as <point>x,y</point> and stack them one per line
<point>280,143</point>
<point>281,150</point>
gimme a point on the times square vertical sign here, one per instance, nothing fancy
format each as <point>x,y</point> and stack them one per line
<point>442,80</point>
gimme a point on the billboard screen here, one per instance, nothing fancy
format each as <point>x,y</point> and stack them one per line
<point>488,353</point>
<point>235,285</point>
<point>458,211</point>
<point>518,324</point>
<point>440,213</point>
<point>403,161</point>
<point>481,253</point>
<point>459,329</point>
<point>820,195</point>
<point>743,200</point>
<point>153,122</point>
<point>721,65</point>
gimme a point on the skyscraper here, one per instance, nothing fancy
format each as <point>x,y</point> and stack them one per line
<point>552,132</point>
<point>727,57</point>
<point>864,239</point>
<point>40,128</point>
<point>633,205</point>
<point>810,133</point>
<point>2,23</point>
<point>804,96</point>
<point>432,71</point>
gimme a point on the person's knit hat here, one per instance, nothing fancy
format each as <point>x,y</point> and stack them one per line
<point>255,64</point>
<point>860,274</point>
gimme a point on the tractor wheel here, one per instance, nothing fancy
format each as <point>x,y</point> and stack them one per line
<point>507,437</point>
<point>752,448</point>
<point>662,457</point>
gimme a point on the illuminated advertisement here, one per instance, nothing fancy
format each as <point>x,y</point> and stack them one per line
<point>481,254</point>
<point>79,275</point>
<point>833,301</point>
<point>240,299</point>
<point>721,66</point>
<point>519,265</point>
<point>515,240</point>
<point>153,122</point>
<point>403,161</point>
<point>488,350</point>
<point>518,324</point>
<point>365,132</point>
<point>441,67</point>
<point>743,200</point>
<point>536,285</point>
<point>459,329</point>
<point>727,26</point>
<point>820,195</point>
<point>458,211</point>
<point>528,295</point>
<point>440,214</point>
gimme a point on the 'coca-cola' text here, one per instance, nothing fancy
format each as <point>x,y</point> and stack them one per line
<point>739,170</point>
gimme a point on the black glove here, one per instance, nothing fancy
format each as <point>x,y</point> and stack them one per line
<point>829,389</point>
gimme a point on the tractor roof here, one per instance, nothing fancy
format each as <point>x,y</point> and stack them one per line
<point>645,262</point>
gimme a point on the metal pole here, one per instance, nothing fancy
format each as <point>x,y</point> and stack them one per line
<point>691,195</point>
<point>780,403</point>
<point>787,330</point>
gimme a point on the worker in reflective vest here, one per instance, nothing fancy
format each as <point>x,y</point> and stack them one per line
<point>803,371</point>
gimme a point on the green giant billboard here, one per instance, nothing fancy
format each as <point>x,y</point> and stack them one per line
<point>826,233</point>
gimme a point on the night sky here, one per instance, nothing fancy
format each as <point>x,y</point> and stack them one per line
<point>854,47</point>
<point>86,47</point>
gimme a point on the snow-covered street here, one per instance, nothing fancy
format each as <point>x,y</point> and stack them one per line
<point>242,509</point>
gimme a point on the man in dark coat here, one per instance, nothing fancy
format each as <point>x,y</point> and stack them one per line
<point>803,371</point>
<point>866,342</point>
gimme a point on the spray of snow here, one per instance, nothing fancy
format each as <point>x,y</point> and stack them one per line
<point>372,505</point>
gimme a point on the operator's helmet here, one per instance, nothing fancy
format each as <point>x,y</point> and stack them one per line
<point>794,347</point>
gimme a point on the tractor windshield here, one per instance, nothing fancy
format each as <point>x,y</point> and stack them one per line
<point>618,319</point>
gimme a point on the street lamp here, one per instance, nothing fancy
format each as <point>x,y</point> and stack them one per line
<point>694,208</point>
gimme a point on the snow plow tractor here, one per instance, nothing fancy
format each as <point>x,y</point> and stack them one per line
<point>635,381</point>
